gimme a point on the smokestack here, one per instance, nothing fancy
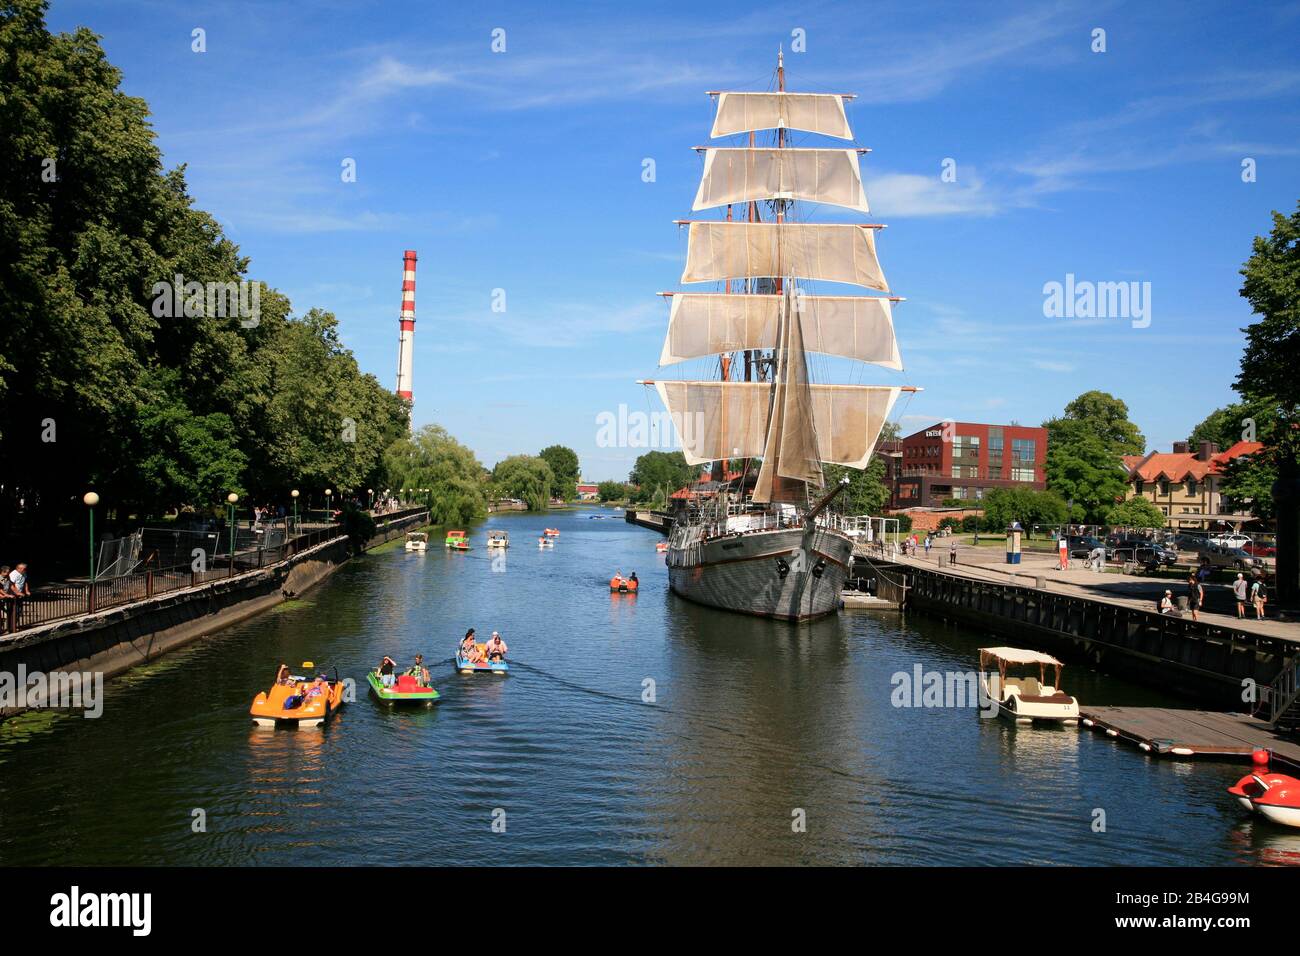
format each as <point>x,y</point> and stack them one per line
<point>406,339</point>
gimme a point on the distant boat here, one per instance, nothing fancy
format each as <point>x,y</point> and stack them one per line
<point>417,541</point>
<point>498,539</point>
<point>766,542</point>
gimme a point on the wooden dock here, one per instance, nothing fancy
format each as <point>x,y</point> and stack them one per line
<point>1164,731</point>
<point>869,602</point>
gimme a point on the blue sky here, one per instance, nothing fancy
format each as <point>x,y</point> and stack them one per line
<point>522,170</point>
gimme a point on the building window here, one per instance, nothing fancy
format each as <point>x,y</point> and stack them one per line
<point>1023,474</point>
<point>1191,487</point>
<point>1023,449</point>
<point>1164,486</point>
<point>1139,486</point>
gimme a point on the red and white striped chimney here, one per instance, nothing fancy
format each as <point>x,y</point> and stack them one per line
<point>406,340</point>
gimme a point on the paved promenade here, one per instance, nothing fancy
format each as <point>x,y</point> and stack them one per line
<point>1133,590</point>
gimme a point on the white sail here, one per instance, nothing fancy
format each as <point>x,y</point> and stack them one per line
<point>717,420</point>
<point>856,327</point>
<point>835,253</point>
<point>814,175</point>
<point>815,112</point>
<point>848,419</point>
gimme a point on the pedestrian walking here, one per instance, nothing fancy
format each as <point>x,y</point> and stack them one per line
<point>928,542</point>
<point>1239,588</point>
<point>6,598</point>
<point>952,553</point>
<point>1195,595</point>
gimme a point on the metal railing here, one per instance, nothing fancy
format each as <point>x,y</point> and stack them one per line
<point>72,599</point>
<point>1278,696</point>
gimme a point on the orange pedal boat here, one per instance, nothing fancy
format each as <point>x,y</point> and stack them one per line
<point>298,701</point>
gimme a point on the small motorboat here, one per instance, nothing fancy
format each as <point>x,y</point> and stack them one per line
<point>623,585</point>
<point>406,689</point>
<point>295,701</point>
<point>1274,796</point>
<point>545,542</point>
<point>483,666</point>
<point>417,541</point>
<point>498,539</point>
<point>456,541</point>
<point>1025,699</point>
<point>551,532</point>
<point>661,547</point>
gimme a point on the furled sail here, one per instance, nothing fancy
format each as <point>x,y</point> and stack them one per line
<point>856,327</point>
<point>815,112</point>
<point>717,420</point>
<point>815,175</point>
<point>835,253</point>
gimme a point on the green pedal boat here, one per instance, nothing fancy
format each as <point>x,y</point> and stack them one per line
<point>406,689</point>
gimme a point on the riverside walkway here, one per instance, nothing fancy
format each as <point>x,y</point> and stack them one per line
<point>1127,590</point>
<point>256,546</point>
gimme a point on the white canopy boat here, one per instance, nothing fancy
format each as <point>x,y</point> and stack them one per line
<point>1025,699</point>
<point>417,541</point>
<point>498,539</point>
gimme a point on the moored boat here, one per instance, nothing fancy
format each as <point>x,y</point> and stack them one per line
<point>405,689</point>
<point>1025,699</point>
<point>1274,796</point>
<point>762,539</point>
<point>295,701</point>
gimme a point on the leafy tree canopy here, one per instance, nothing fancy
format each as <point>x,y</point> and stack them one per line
<point>525,477</point>
<point>1135,513</point>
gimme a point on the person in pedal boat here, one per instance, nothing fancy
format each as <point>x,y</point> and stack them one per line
<point>386,668</point>
<point>283,677</point>
<point>469,648</point>
<point>419,671</point>
<point>496,648</point>
<point>318,687</point>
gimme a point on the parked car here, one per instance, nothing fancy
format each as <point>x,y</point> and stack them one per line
<point>1145,553</point>
<point>1257,550</point>
<point>1237,558</point>
<point>1081,545</point>
<point>1235,540</point>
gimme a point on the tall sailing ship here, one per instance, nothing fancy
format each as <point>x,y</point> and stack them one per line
<point>768,542</point>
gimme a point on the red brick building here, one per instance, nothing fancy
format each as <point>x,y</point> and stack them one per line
<point>964,460</point>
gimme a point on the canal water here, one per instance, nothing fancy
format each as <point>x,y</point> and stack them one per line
<point>632,729</point>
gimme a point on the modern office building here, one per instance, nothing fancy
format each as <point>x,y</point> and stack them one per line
<point>962,461</point>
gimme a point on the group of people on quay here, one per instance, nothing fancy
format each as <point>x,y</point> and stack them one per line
<point>13,591</point>
<point>1253,592</point>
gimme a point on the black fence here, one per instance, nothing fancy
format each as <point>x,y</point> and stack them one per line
<point>177,560</point>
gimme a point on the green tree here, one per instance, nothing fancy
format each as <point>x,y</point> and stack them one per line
<point>867,493</point>
<point>564,463</point>
<point>1135,513</point>
<point>525,477</point>
<point>1084,448</point>
<point>661,473</point>
<point>612,491</point>
<point>1268,375</point>
<point>432,459</point>
<point>1240,421</point>
<point>1002,506</point>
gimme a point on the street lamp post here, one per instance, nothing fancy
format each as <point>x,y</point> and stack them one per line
<point>231,499</point>
<point>90,499</point>
<point>329,511</point>
<point>294,495</point>
<point>370,498</point>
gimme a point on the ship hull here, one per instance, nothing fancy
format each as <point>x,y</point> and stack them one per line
<point>788,574</point>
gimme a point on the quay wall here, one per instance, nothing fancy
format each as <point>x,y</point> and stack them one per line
<point>114,640</point>
<point>654,520</point>
<point>1202,661</point>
